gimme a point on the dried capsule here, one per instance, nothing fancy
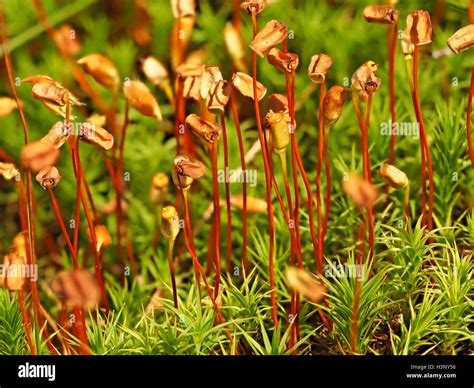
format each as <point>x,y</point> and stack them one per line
<point>96,135</point>
<point>57,135</point>
<point>77,289</point>
<point>333,102</point>
<point>269,36</point>
<point>170,223</point>
<point>244,84</point>
<point>38,155</point>
<point>8,171</point>
<point>462,39</point>
<point>139,96</point>
<point>302,282</point>
<point>205,130</point>
<point>48,177</point>
<point>192,88</point>
<point>13,273</point>
<point>286,62</point>
<point>393,176</point>
<point>7,105</point>
<point>209,79</point>
<point>235,46</point>
<point>380,14</point>
<point>364,81</point>
<point>360,191</point>
<point>219,98</point>
<point>318,67</point>
<point>278,102</point>
<point>254,6</point>
<point>419,27</point>
<point>102,236</point>
<point>279,129</point>
<point>183,8</point>
<point>54,96</point>
<point>101,69</point>
<point>254,205</point>
<point>159,187</point>
<point>185,171</point>
<point>154,70</point>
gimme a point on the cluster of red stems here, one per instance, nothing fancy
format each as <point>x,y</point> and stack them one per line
<point>214,97</point>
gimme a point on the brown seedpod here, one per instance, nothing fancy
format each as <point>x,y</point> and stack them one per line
<point>462,39</point>
<point>244,84</point>
<point>209,80</point>
<point>77,288</point>
<point>48,177</point>
<point>102,236</point>
<point>66,38</point>
<point>192,88</point>
<point>7,105</point>
<point>185,171</point>
<point>190,69</point>
<point>38,155</point>
<point>318,67</point>
<point>419,27</point>
<point>154,70</point>
<point>360,191</point>
<point>286,62</point>
<point>170,223</point>
<point>235,46</point>
<point>8,171</point>
<point>54,96</point>
<point>254,6</point>
<point>13,273</point>
<point>333,102</point>
<point>159,188</point>
<point>205,130</point>
<point>380,14</point>
<point>139,96</point>
<point>19,244</point>
<point>57,135</point>
<point>219,98</point>
<point>96,135</point>
<point>364,81</point>
<point>101,69</point>
<point>254,205</point>
<point>305,284</point>
<point>278,102</point>
<point>393,176</point>
<point>183,8</point>
<point>269,36</point>
<point>279,129</point>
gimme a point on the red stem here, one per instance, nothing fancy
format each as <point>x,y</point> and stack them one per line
<point>320,254</point>
<point>217,218</point>
<point>227,197</point>
<point>26,322</point>
<point>391,85</point>
<point>468,119</point>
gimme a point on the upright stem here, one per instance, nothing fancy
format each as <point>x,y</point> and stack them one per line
<point>391,85</point>
<point>320,254</point>
<point>406,207</point>
<point>267,181</point>
<point>217,218</point>
<point>244,181</point>
<point>26,322</point>
<point>227,197</point>
<point>171,265</point>
<point>328,184</point>
<point>468,119</point>
<point>368,177</point>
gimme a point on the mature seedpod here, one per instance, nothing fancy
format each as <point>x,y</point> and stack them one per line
<point>183,8</point>
<point>102,236</point>
<point>318,67</point>
<point>244,84</point>
<point>235,46</point>
<point>205,130</point>
<point>190,69</point>
<point>393,176</point>
<point>154,70</point>
<point>185,171</point>
<point>8,171</point>
<point>97,119</point>
<point>38,155</point>
<point>77,289</point>
<point>254,205</point>
<point>380,14</point>
<point>169,222</point>
<point>54,96</point>
<point>96,135</point>
<point>159,188</point>
<point>286,62</point>
<point>14,275</point>
<point>57,135</point>
<point>219,98</point>
<point>139,96</point>
<point>462,39</point>
<point>192,88</point>
<point>254,6</point>
<point>101,69</point>
<point>333,102</point>
<point>7,105</point>
<point>302,282</point>
<point>278,102</point>
<point>280,130</point>
<point>48,177</point>
<point>364,80</point>
<point>210,77</point>
<point>19,244</point>
<point>419,27</point>
<point>66,38</point>
<point>269,36</point>
<point>360,191</point>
